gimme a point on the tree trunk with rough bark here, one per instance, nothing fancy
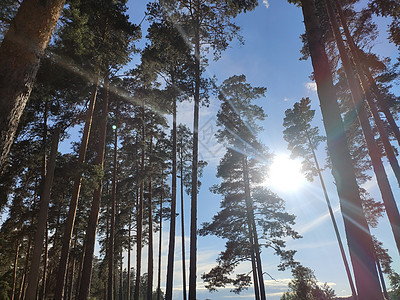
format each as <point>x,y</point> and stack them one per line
<point>172,226</point>
<point>373,150</point>
<point>357,231</point>
<point>20,53</point>
<point>42,220</point>
<point>150,265</point>
<point>110,290</point>
<point>139,225</point>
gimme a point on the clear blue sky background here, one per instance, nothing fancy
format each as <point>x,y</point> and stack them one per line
<point>270,58</point>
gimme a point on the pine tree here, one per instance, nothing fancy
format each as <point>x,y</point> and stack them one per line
<point>246,207</point>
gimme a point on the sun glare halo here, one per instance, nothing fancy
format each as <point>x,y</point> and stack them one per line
<point>285,174</point>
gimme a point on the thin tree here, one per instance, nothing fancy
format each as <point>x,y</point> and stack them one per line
<point>303,141</point>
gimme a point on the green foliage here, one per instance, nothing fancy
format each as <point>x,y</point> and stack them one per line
<point>304,286</point>
<point>302,137</point>
<point>237,120</point>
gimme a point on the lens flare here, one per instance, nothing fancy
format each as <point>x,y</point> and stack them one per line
<point>285,174</point>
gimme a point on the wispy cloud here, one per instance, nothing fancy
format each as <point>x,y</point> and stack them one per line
<point>311,86</point>
<point>266,3</point>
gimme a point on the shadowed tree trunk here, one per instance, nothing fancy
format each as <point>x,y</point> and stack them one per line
<point>139,225</point>
<point>371,104</point>
<point>42,220</point>
<point>172,226</point>
<point>193,202</point>
<point>183,228</point>
<point>21,293</point>
<point>150,265</point>
<point>357,231</point>
<point>84,288</point>
<point>160,240</point>
<point>15,271</point>
<point>128,280</point>
<point>110,290</point>
<point>20,53</point>
<point>373,150</point>
<point>69,224</point>
<point>259,286</point>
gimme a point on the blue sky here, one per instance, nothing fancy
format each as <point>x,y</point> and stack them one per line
<point>270,58</point>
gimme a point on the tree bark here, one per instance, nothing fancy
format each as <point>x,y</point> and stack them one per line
<point>42,293</point>
<point>128,279</point>
<point>160,240</point>
<point>328,203</point>
<point>371,104</point>
<point>20,53</point>
<point>84,289</point>
<point>150,265</point>
<point>139,225</point>
<point>255,248</point>
<point>373,150</point>
<point>172,226</point>
<point>357,231</point>
<point>183,229</point>
<point>21,293</point>
<point>42,219</point>
<point>110,290</point>
<point>193,202</point>
<point>69,224</point>
<point>15,271</point>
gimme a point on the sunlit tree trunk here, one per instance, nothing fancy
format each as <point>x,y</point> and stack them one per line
<point>357,231</point>
<point>84,288</point>
<point>20,53</point>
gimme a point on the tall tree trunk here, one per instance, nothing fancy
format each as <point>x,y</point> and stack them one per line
<point>373,150</point>
<point>42,219</point>
<point>357,231</point>
<point>21,294</point>
<point>70,280</point>
<point>371,104</point>
<point>328,203</point>
<point>84,289</point>
<point>121,285</point>
<point>370,84</point>
<point>150,265</point>
<point>15,271</point>
<point>20,53</point>
<point>69,224</point>
<point>139,225</point>
<point>128,279</point>
<point>253,231</point>
<point>172,227</point>
<point>183,230</point>
<point>42,292</point>
<point>193,208</point>
<point>160,240</point>
<point>110,290</point>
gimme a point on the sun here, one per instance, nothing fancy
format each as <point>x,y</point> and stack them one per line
<point>285,174</point>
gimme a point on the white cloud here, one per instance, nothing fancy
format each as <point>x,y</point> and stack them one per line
<point>311,86</point>
<point>266,3</point>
